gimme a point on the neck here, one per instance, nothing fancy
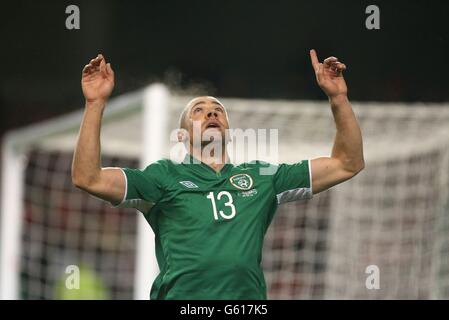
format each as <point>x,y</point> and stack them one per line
<point>208,157</point>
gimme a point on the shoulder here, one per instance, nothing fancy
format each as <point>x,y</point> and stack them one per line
<point>258,167</point>
<point>254,164</point>
<point>271,169</point>
<point>162,166</point>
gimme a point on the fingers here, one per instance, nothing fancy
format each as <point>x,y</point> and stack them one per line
<point>96,61</point>
<point>102,66</point>
<point>96,64</point>
<point>109,69</point>
<point>335,66</point>
<point>340,66</point>
<point>317,66</point>
<point>314,60</point>
<point>330,67</point>
<point>333,63</point>
<point>329,61</point>
<point>86,69</point>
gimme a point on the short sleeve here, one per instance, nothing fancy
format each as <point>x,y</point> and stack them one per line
<point>293,181</point>
<point>144,188</point>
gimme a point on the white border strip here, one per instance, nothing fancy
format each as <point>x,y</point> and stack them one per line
<point>126,187</point>
<point>310,175</point>
<point>294,194</point>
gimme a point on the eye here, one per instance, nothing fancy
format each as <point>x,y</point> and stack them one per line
<point>196,110</point>
<point>219,109</point>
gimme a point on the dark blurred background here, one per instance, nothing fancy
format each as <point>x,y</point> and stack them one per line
<point>229,48</point>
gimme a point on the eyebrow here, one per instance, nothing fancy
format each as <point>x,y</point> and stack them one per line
<point>200,102</point>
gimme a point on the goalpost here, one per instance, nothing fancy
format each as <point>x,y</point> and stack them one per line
<point>58,134</point>
<point>394,215</point>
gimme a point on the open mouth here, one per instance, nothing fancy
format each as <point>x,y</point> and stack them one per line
<point>212,125</point>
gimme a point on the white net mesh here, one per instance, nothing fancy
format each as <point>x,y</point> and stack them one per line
<point>394,215</point>
<point>65,227</point>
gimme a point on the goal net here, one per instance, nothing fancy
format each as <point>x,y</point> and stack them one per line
<point>382,235</point>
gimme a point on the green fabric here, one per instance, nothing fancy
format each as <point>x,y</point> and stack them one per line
<point>207,254</point>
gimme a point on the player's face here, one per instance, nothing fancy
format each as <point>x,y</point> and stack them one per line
<point>209,113</point>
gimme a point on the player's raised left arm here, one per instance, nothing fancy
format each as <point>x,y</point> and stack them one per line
<point>346,159</point>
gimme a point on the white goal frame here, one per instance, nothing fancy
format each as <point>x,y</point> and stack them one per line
<point>14,147</point>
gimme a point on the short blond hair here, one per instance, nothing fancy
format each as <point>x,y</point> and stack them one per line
<point>182,118</point>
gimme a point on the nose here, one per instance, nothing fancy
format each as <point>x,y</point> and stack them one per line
<point>212,113</point>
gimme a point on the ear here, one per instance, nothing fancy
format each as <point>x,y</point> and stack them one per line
<point>182,135</point>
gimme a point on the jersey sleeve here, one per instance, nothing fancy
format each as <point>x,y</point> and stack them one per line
<point>144,188</point>
<point>293,181</point>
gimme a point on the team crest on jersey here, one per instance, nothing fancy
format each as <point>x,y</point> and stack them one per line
<point>242,181</point>
<point>188,184</point>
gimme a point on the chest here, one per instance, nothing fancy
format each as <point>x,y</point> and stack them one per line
<point>236,198</point>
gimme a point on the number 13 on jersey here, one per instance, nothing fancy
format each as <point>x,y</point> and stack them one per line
<point>229,203</point>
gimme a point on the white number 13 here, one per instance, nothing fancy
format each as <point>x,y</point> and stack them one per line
<point>227,204</point>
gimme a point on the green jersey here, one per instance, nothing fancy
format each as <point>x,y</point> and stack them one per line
<point>209,226</point>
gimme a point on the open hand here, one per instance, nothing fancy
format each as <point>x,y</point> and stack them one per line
<point>329,75</point>
<point>97,80</point>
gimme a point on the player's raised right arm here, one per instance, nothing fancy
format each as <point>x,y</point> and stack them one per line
<point>97,83</point>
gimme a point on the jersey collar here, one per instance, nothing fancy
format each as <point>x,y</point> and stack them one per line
<point>197,164</point>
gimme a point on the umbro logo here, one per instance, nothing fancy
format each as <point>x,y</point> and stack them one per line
<point>188,184</point>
